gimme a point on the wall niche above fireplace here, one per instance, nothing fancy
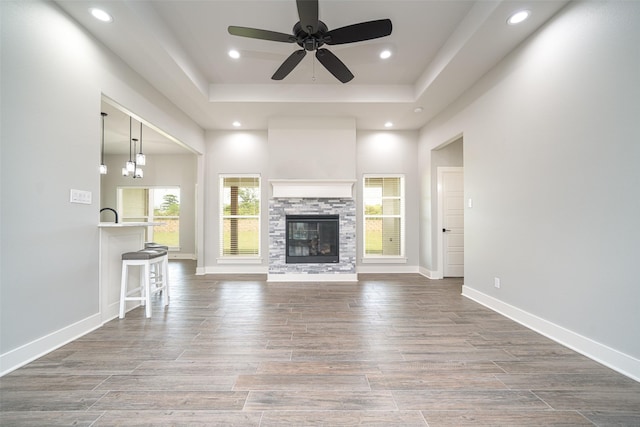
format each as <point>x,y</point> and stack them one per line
<point>312,239</point>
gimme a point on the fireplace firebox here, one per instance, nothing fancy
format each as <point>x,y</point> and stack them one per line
<point>312,239</point>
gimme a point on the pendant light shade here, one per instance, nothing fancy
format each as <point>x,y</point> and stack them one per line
<point>103,165</point>
<point>141,159</point>
<point>137,171</point>
<point>131,165</point>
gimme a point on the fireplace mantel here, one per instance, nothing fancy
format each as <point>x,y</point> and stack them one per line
<point>312,188</point>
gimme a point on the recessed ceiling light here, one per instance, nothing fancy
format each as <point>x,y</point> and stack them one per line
<point>518,17</point>
<point>385,54</point>
<point>101,15</point>
<point>418,110</point>
<point>388,124</point>
<point>234,54</point>
<point>236,124</point>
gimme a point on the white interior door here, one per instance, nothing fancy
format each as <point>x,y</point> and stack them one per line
<point>452,185</point>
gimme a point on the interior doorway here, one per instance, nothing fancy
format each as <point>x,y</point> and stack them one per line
<point>448,228</point>
<point>451,203</point>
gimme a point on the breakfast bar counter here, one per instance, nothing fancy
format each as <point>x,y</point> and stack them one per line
<point>115,239</point>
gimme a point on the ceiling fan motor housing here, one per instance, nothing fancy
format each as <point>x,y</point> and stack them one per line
<point>308,41</point>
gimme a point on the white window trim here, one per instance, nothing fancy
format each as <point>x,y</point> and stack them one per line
<point>235,259</point>
<point>380,259</point>
<point>385,259</point>
<point>149,216</point>
<point>238,259</point>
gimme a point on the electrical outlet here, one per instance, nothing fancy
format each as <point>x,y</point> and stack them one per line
<point>496,282</point>
<point>80,196</point>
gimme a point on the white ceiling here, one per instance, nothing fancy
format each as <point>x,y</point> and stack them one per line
<point>119,122</point>
<point>439,49</point>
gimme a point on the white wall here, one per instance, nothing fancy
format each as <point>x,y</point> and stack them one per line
<point>53,78</point>
<point>391,152</point>
<point>551,150</point>
<point>312,148</point>
<point>233,152</point>
<point>161,170</point>
<point>250,152</point>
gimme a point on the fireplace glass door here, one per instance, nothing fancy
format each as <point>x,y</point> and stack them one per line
<point>312,239</point>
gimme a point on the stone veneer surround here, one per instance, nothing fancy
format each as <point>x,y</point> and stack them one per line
<point>279,208</point>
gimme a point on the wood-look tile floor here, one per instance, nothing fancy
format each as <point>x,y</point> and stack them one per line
<point>388,350</point>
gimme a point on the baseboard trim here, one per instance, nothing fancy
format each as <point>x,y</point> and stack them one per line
<point>233,269</point>
<point>14,359</point>
<point>386,269</point>
<point>312,277</point>
<point>180,255</point>
<point>433,275</point>
<point>612,358</point>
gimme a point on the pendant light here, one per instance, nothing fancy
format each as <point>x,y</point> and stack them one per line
<point>103,165</point>
<point>130,166</point>
<point>137,171</point>
<point>140,157</point>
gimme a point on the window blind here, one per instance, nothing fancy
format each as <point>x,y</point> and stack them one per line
<point>240,216</point>
<point>383,216</point>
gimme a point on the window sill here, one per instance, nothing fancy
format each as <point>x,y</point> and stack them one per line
<point>384,260</point>
<point>239,260</point>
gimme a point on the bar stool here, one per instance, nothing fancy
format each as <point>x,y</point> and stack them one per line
<point>156,269</point>
<point>145,259</point>
<point>154,245</point>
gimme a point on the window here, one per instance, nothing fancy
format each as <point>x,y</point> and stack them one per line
<point>383,216</point>
<point>240,216</point>
<point>153,204</point>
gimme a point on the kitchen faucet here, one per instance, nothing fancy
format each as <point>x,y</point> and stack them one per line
<point>112,210</point>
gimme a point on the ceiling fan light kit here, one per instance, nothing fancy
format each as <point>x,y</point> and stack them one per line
<point>311,34</point>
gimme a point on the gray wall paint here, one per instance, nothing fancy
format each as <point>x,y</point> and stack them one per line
<point>395,152</point>
<point>164,170</point>
<point>312,148</point>
<point>238,152</point>
<point>53,78</point>
<point>233,152</point>
<point>449,155</point>
<point>44,153</point>
<point>551,160</point>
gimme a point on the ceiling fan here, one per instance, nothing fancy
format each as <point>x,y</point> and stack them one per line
<point>311,34</point>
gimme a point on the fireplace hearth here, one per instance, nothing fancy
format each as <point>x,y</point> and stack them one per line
<point>312,239</point>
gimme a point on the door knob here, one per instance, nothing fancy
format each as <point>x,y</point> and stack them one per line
<point>444,230</point>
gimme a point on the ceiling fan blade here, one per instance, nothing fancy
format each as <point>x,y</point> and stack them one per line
<point>289,64</point>
<point>308,13</point>
<point>334,65</point>
<point>359,32</point>
<point>256,33</point>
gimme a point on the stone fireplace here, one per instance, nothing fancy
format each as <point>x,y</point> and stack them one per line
<point>310,206</point>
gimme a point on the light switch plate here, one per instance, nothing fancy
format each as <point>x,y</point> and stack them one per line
<point>80,196</point>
